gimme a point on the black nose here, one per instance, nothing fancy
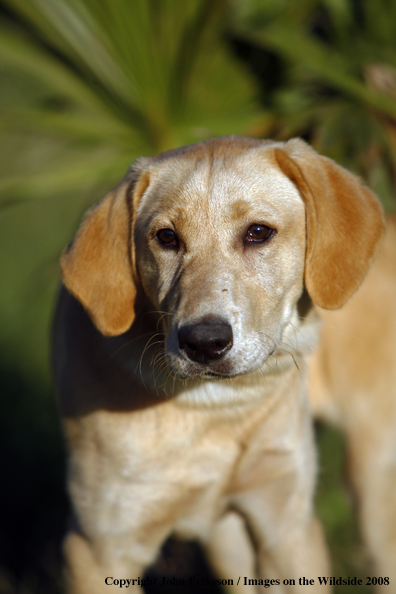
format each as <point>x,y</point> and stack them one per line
<point>205,341</point>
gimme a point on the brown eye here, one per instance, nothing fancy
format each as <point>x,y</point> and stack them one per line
<point>258,233</point>
<point>167,237</point>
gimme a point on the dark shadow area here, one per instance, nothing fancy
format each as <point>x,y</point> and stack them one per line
<point>32,497</point>
<point>266,66</point>
<point>182,567</point>
<point>337,509</point>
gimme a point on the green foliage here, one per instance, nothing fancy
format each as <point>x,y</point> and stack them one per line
<point>117,79</point>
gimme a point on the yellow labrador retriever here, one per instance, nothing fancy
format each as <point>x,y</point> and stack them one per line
<point>180,346</point>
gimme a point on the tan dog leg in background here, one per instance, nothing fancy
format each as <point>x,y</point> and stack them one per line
<point>353,385</point>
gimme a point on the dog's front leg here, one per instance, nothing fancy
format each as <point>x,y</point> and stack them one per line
<point>87,570</point>
<point>289,543</point>
<point>230,552</point>
<point>274,491</point>
<point>298,560</point>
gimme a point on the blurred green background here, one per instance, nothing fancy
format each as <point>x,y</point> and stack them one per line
<point>86,86</point>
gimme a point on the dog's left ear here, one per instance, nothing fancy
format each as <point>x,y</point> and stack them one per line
<point>345,223</point>
<point>98,266</point>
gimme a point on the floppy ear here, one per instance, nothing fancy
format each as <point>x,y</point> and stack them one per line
<point>98,268</point>
<point>345,223</point>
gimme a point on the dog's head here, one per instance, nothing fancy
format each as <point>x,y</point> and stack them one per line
<point>220,236</point>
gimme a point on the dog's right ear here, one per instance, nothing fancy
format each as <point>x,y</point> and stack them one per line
<point>98,266</point>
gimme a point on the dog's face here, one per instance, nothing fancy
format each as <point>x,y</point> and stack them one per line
<point>221,252</point>
<point>220,236</point>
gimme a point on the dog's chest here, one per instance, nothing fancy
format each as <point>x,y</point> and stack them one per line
<point>172,466</point>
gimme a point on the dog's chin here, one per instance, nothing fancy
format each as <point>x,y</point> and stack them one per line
<point>201,373</point>
<point>183,370</point>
